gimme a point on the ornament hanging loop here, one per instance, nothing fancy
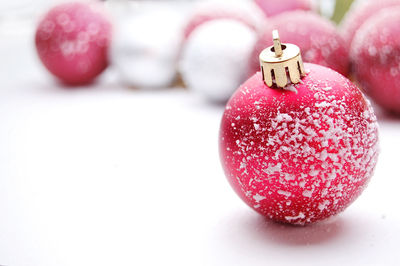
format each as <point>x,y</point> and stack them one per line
<point>281,64</point>
<point>277,44</point>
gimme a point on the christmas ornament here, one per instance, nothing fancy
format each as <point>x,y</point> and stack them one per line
<point>72,42</point>
<point>359,13</point>
<point>317,38</point>
<point>209,53</point>
<point>375,54</point>
<point>244,11</point>
<point>271,8</point>
<point>142,47</point>
<point>301,153</point>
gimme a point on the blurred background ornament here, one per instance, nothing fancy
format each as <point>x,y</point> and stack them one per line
<point>147,43</point>
<point>215,56</point>
<point>375,53</point>
<point>316,36</point>
<point>72,41</point>
<point>244,11</point>
<point>359,13</point>
<point>219,34</point>
<point>273,7</point>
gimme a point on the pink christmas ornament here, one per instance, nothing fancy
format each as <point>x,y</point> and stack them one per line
<point>301,153</point>
<point>317,38</point>
<point>360,13</point>
<point>375,54</point>
<point>272,8</point>
<point>72,41</point>
<point>243,11</point>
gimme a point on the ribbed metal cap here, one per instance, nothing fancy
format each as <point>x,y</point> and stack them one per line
<point>281,64</point>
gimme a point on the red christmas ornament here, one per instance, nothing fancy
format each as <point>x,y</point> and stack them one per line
<point>72,41</point>
<point>375,55</point>
<point>301,153</point>
<point>359,14</point>
<point>271,8</point>
<point>243,11</point>
<point>317,38</point>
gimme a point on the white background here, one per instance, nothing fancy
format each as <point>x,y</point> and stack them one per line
<point>107,175</point>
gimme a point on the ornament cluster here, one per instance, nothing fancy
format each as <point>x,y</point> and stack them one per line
<point>297,154</point>
<point>214,47</point>
<point>156,48</point>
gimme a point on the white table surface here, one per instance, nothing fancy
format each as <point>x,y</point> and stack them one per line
<point>109,175</point>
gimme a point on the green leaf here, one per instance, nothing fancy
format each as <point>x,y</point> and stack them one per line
<point>341,8</point>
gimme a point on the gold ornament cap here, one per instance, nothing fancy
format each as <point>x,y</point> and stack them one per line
<point>281,64</point>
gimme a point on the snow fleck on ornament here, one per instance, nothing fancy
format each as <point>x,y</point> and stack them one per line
<point>375,54</point>
<point>301,153</point>
<point>72,42</point>
<point>360,13</point>
<point>271,8</point>
<point>317,38</point>
<point>209,53</point>
<point>243,11</point>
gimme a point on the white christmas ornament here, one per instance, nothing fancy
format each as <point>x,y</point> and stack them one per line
<point>145,48</point>
<point>209,54</point>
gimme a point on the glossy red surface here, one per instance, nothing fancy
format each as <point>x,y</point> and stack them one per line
<point>300,155</point>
